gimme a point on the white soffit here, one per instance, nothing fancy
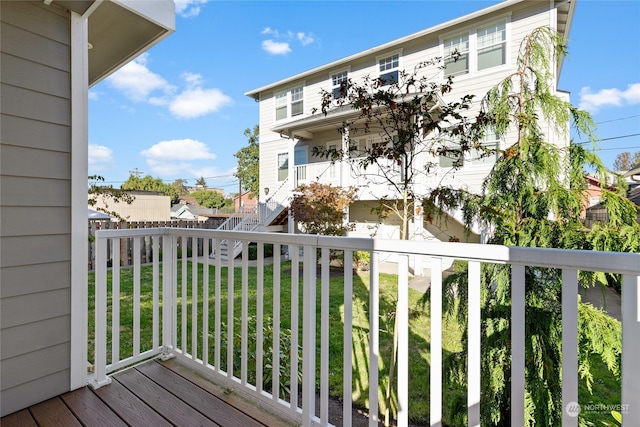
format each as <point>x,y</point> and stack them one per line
<point>120,30</point>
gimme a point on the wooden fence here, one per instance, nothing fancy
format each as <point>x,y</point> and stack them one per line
<point>126,246</point>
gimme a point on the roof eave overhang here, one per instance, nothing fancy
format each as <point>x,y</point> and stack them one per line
<point>120,30</point>
<point>335,117</point>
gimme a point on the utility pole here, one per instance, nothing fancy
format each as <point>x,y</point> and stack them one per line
<point>136,172</point>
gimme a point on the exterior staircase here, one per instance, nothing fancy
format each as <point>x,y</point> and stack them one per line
<point>254,219</point>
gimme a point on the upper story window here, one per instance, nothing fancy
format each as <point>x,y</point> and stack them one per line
<point>339,82</point>
<point>492,45</point>
<point>477,49</point>
<point>456,55</point>
<point>297,96</point>
<point>388,68</point>
<point>281,105</point>
<point>293,98</point>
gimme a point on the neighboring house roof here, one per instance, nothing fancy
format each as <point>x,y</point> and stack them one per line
<point>634,174</point>
<point>565,16</point>
<point>97,216</point>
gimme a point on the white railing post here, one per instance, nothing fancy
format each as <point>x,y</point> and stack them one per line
<point>402,323</point>
<point>168,302</point>
<point>374,337</point>
<point>100,350</point>
<point>473,350</point>
<point>435,376</point>
<point>309,337</point>
<point>569,347</point>
<point>324,336</point>
<point>630,408</point>
<point>347,365</point>
<point>517,344</point>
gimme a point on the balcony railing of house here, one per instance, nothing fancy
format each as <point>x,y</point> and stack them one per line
<point>325,172</point>
<point>200,313</point>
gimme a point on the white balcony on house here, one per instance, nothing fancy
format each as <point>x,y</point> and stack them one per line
<point>193,304</point>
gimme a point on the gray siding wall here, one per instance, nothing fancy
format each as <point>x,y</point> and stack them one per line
<point>35,199</point>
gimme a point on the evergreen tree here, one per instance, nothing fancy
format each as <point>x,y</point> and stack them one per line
<point>249,162</point>
<point>533,197</point>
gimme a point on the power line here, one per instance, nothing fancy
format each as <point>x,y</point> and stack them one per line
<point>610,138</point>
<point>618,119</point>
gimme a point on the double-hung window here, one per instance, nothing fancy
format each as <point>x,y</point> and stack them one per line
<point>456,55</point>
<point>283,166</point>
<point>487,152</point>
<point>281,105</point>
<point>492,45</point>
<point>389,68</point>
<point>297,97</point>
<point>339,82</point>
<point>451,155</point>
<point>476,49</point>
<point>289,103</point>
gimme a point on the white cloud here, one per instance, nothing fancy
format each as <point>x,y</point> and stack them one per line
<point>99,157</point>
<point>197,102</point>
<point>305,39</point>
<point>94,95</point>
<point>276,48</point>
<point>178,149</point>
<point>615,97</point>
<point>180,157</point>
<point>137,82</point>
<point>280,43</point>
<point>189,8</point>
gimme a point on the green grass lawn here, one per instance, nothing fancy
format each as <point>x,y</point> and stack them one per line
<point>419,333</point>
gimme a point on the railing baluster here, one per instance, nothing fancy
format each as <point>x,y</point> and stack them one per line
<point>293,373</point>
<point>275,343</point>
<point>168,296</point>
<point>374,337</point>
<point>155,245</point>
<point>244,318</point>
<point>115,302</point>
<point>569,346</point>
<point>309,337</point>
<point>218,298</point>
<point>630,350</point>
<point>194,298</point>
<point>206,244</point>
<point>347,367</point>
<point>435,375</point>
<point>473,356</point>
<point>136,296</point>
<point>324,336</point>
<point>517,344</point>
<point>402,315</point>
<point>230,307</point>
<point>183,288</point>
<point>260,317</point>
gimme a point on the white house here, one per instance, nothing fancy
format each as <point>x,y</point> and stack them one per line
<point>488,42</point>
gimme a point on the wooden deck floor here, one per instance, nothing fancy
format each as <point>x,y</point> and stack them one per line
<point>152,394</point>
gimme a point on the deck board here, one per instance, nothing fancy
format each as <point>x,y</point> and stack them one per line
<point>54,412</point>
<point>129,406</point>
<point>153,394</point>
<point>166,404</point>
<point>19,419</point>
<point>209,405</point>
<point>88,407</point>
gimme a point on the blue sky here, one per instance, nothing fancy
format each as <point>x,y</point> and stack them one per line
<point>179,110</point>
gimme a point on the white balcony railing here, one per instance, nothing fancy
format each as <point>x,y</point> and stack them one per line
<point>193,312</point>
